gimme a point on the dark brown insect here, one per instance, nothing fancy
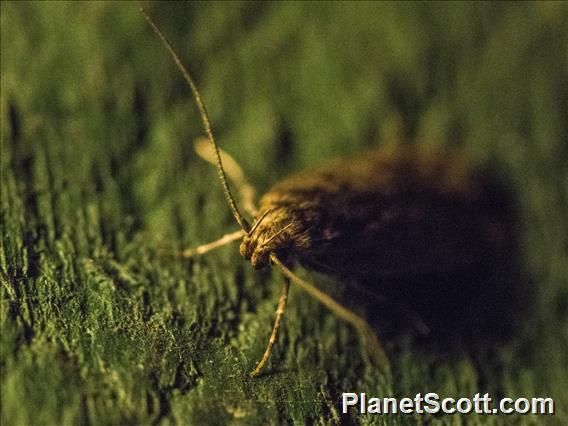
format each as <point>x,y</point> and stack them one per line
<point>391,211</point>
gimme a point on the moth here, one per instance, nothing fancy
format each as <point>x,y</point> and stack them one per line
<point>387,212</point>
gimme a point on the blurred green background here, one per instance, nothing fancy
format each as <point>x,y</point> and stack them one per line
<point>98,171</point>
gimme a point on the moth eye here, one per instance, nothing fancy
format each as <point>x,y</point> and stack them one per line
<point>246,248</point>
<point>259,258</point>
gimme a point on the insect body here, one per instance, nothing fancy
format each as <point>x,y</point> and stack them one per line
<point>388,212</point>
<point>391,211</point>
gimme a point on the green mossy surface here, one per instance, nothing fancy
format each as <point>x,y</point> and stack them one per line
<point>98,171</point>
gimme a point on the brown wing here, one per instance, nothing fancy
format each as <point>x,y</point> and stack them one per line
<point>392,212</point>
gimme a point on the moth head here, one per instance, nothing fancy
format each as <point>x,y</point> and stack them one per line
<point>269,234</point>
<point>258,254</point>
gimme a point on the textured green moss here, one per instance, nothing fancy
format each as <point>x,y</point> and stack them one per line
<point>98,172</point>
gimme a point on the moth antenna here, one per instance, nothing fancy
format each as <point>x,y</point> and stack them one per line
<point>374,348</point>
<point>204,120</point>
<point>279,314</point>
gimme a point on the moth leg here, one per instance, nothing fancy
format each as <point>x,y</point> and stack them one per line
<point>279,313</point>
<point>204,248</point>
<point>233,171</point>
<point>374,349</point>
<point>247,193</point>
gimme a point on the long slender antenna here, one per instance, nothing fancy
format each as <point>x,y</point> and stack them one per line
<point>205,121</point>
